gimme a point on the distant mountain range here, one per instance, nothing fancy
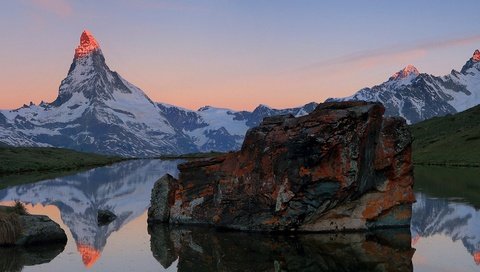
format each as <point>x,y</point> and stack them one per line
<point>418,96</point>
<point>98,111</point>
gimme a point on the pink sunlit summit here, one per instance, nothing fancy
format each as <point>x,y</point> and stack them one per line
<point>405,72</point>
<point>476,56</point>
<point>88,44</point>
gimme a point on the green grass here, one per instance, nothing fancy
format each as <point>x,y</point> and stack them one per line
<point>28,159</point>
<point>7,209</point>
<point>450,140</point>
<point>10,227</point>
<point>20,165</point>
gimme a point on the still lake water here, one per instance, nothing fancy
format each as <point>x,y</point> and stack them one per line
<point>445,230</point>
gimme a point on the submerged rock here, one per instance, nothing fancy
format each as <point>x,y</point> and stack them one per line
<point>40,230</point>
<point>105,217</point>
<point>342,167</point>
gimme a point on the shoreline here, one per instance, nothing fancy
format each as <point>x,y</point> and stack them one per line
<point>449,164</point>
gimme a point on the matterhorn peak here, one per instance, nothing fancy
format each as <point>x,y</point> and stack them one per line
<point>476,56</point>
<point>88,44</point>
<point>405,72</point>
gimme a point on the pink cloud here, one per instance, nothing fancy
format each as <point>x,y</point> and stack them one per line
<point>58,7</point>
<point>370,58</point>
<point>398,57</point>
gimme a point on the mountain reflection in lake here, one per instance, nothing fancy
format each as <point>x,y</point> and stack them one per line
<point>435,218</point>
<point>446,219</point>
<point>123,188</point>
<point>445,230</point>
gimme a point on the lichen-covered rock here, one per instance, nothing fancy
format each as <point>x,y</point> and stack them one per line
<point>40,229</point>
<point>342,167</point>
<point>159,209</point>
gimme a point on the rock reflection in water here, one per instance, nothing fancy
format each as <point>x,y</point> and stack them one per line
<point>205,249</point>
<point>16,258</point>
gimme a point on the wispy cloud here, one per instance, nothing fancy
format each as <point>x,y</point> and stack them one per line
<point>368,58</point>
<point>161,5</point>
<point>61,8</point>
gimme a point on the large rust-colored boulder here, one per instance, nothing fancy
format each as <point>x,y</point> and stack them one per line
<point>342,167</point>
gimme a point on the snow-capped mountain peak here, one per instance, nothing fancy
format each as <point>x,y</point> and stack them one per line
<point>417,97</point>
<point>98,111</point>
<point>473,62</point>
<point>88,44</point>
<point>408,72</point>
<point>476,56</point>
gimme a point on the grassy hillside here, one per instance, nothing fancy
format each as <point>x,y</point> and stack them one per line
<point>29,159</point>
<point>448,140</point>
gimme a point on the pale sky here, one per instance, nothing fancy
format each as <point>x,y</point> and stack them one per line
<point>234,54</point>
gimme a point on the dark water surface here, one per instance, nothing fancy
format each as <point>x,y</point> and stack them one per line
<point>445,231</point>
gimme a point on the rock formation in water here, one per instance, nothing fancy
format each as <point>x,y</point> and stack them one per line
<point>27,230</point>
<point>40,229</point>
<point>342,167</point>
<point>105,217</point>
<point>204,249</point>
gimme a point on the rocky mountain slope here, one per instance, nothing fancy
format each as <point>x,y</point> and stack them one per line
<point>98,111</point>
<point>419,96</point>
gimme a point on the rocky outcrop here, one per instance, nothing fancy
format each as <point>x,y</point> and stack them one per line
<point>162,193</point>
<point>342,167</point>
<point>204,249</point>
<point>40,229</point>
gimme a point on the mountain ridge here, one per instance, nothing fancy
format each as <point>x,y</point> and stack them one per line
<point>419,96</point>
